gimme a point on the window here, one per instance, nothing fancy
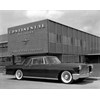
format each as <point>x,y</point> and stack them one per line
<point>9,32</point>
<point>28,28</point>
<point>59,38</point>
<point>24,29</point>
<point>30,62</point>
<point>12,31</point>
<point>75,42</point>
<point>52,37</point>
<point>42,25</point>
<point>27,61</point>
<point>52,60</point>
<point>0,59</point>
<point>37,61</point>
<point>35,27</point>
<point>64,40</point>
<point>8,59</point>
<point>16,31</point>
<point>68,41</point>
<point>78,43</point>
<point>0,45</point>
<point>31,28</point>
<point>81,43</point>
<point>84,44</point>
<point>21,29</point>
<point>3,45</point>
<point>39,26</point>
<point>17,59</point>
<point>5,59</point>
<point>72,41</point>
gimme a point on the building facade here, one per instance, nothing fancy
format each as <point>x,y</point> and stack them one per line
<point>47,37</point>
<point>5,58</point>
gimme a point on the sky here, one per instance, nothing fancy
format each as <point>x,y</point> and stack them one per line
<point>85,20</point>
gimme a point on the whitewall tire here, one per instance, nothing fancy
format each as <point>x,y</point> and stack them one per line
<point>19,74</point>
<point>66,77</point>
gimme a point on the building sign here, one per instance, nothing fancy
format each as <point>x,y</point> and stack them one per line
<point>26,29</point>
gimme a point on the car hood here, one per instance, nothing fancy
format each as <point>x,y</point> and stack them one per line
<point>72,64</point>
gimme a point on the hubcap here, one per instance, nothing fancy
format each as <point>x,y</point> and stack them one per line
<point>66,77</point>
<point>19,74</point>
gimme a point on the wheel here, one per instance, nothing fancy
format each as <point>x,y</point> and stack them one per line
<point>19,74</point>
<point>66,77</point>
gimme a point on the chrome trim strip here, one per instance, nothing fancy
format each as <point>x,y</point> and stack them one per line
<point>40,77</point>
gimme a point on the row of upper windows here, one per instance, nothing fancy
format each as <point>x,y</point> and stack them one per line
<point>26,29</point>
<point>72,41</point>
<point>57,38</point>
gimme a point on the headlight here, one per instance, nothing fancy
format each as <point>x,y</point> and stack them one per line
<point>80,67</point>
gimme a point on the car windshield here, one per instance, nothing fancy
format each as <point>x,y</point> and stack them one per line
<point>52,60</point>
<point>26,61</point>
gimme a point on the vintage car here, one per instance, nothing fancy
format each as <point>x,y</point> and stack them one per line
<point>50,67</point>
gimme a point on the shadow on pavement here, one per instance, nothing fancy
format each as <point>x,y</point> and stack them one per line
<point>38,80</point>
<point>85,81</point>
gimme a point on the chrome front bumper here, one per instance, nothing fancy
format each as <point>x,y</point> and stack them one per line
<point>77,76</point>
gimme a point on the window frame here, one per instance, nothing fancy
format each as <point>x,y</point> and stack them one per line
<point>38,63</point>
<point>27,62</point>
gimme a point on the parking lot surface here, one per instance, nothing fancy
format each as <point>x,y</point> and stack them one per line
<point>9,82</point>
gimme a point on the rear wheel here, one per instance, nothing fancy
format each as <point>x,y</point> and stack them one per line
<point>66,77</point>
<point>19,74</point>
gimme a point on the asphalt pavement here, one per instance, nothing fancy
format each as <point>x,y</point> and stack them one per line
<point>9,82</point>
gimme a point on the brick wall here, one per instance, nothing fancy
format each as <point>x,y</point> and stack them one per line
<point>96,70</point>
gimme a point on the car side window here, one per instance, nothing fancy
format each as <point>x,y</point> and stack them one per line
<point>37,61</point>
<point>46,61</point>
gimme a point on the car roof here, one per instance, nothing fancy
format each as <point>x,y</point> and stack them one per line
<point>40,56</point>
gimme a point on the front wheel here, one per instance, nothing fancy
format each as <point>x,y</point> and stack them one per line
<point>19,74</point>
<point>66,77</point>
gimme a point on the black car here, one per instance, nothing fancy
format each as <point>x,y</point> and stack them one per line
<point>50,67</point>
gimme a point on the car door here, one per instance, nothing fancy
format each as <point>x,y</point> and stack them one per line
<point>41,68</point>
<point>52,69</point>
<point>38,68</point>
<point>26,68</point>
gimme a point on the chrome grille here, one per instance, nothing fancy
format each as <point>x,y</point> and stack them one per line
<point>84,69</point>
